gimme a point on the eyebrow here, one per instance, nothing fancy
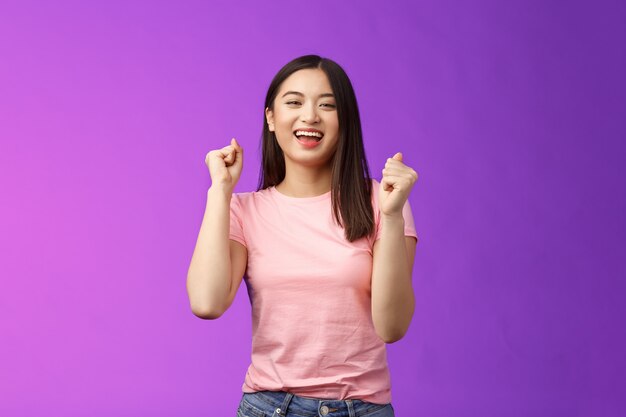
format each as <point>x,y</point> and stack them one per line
<point>302,95</point>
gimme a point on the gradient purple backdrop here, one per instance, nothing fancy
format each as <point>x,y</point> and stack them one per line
<point>513,114</point>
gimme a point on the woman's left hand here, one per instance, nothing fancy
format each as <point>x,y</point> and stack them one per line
<point>395,186</point>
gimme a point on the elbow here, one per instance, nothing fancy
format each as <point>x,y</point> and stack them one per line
<point>391,337</point>
<point>391,328</point>
<point>203,305</point>
<point>206,312</point>
<point>391,333</point>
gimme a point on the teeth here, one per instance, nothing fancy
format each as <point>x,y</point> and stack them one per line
<point>303,133</point>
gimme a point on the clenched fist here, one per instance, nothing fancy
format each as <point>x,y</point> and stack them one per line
<point>395,186</point>
<point>225,165</point>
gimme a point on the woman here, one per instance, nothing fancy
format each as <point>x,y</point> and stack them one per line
<point>326,250</point>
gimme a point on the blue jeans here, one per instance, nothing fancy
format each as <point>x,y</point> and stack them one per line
<point>283,404</point>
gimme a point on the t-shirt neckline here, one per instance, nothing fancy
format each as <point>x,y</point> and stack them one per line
<point>282,196</point>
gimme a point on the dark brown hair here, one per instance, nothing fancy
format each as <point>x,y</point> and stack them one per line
<point>351,185</point>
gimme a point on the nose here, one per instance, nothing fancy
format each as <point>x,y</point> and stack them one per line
<point>309,114</point>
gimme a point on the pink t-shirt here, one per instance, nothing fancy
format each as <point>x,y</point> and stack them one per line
<point>310,289</point>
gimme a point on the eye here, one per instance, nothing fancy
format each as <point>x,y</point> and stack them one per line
<point>332,106</point>
<point>293,102</point>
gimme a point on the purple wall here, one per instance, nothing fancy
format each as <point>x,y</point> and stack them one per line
<point>513,113</point>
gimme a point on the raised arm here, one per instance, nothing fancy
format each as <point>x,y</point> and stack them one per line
<point>393,302</point>
<point>218,263</point>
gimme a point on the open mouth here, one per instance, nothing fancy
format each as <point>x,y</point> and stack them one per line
<point>304,136</point>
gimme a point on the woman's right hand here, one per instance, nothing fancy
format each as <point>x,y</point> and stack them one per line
<point>225,165</point>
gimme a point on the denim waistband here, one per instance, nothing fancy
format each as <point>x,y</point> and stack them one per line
<point>280,402</point>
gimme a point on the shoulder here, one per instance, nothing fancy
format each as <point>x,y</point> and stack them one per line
<point>248,198</point>
<point>247,195</point>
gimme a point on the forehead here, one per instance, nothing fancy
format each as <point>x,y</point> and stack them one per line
<point>310,81</point>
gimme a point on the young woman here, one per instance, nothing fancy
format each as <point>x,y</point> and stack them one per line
<point>327,252</point>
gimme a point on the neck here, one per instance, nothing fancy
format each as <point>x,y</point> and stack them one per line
<point>302,181</point>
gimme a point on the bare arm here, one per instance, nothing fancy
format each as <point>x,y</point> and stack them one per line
<point>393,302</point>
<point>218,263</point>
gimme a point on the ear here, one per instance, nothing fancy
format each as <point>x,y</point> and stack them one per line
<point>269,115</point>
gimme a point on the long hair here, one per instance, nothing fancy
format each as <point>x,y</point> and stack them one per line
<point>351,185</point>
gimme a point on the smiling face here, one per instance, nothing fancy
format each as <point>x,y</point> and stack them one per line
<point>304,119</point>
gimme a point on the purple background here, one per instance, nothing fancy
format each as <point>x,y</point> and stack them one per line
<point>513,114</point>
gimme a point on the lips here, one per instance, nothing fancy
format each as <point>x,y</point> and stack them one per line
<point>308,142</point>
<point>313,134</point>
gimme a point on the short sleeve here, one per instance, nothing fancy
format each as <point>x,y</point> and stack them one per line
<point>236,220</point>
<point>407,214</point>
